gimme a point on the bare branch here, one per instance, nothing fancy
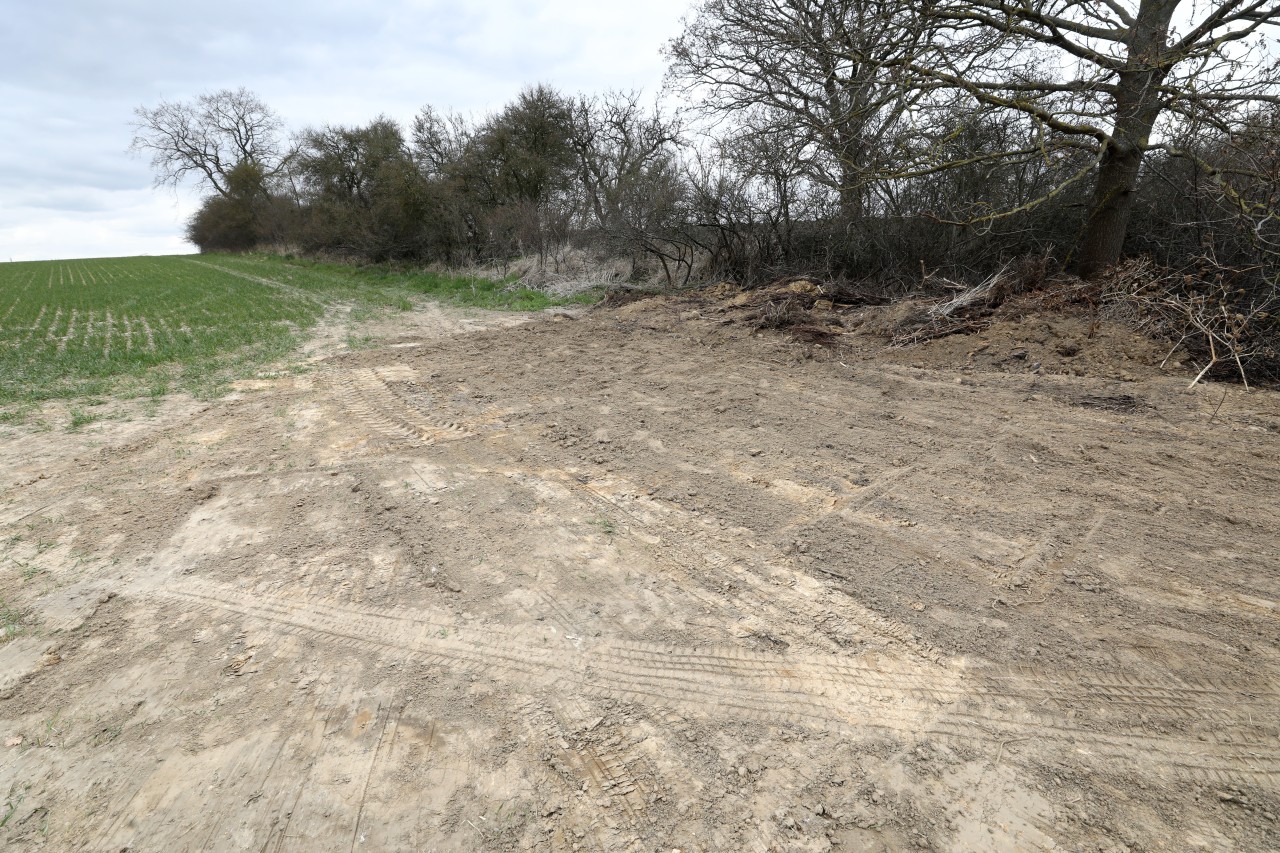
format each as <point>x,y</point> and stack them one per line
<point>209,137</point>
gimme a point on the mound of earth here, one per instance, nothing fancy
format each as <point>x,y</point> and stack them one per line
<point>1028,333</point>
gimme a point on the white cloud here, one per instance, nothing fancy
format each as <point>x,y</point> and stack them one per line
<point>121,223</point>
<point>73,71</point>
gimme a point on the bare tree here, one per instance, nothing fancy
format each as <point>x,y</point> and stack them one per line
<point>822,79</point>
<point>209,137</point>
<point>622,151</point>
<point>1100,76</point>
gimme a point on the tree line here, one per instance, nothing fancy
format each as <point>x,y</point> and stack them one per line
<point>849,139</point>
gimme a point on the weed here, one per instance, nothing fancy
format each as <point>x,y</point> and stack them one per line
<point>10,806</point>
<point>81,418</point>
<point>11,624</point>
<point>29,570</point>
<point>604,525</point>
<point>51,729</point>
<point>355,342</point>
<point>362,314</point>
<point>16,414</point>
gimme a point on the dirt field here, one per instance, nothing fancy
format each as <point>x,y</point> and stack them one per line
<point>646,581</point>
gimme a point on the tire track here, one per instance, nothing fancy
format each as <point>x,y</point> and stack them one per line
<point>1081,714</point>
<point>366,395</point>
<point>369,393</point>
<point>385,722</point>
<point>676,551</point>
<point>598,767</point>
<point>289,289</point>
<point>1098,721</point>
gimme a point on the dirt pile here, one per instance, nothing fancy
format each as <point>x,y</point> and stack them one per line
<point>1056,329</point>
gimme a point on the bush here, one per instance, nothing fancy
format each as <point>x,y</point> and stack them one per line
<point>223,225</point>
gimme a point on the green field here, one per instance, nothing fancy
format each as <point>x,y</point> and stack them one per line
<point>134,326</point>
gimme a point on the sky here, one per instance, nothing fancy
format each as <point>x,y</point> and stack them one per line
<point>73,71</point>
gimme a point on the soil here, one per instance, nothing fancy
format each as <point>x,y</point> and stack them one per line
<point>646,579</point>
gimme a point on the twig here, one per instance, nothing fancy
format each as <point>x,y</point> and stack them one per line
<point>936,330</point>
<point>1004,743</point>
<point>1180,342</point>
<point>1211,363</point>
<point>1245,379</point>
<point>1219,406</point>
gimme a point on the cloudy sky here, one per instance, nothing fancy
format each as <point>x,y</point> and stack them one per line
<point>72,72</point>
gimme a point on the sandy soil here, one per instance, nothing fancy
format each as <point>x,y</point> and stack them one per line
<point>645,580</point>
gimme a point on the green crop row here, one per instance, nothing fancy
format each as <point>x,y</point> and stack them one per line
<point>142,325</point>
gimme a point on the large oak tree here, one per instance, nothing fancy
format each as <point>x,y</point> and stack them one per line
<point>1101,75</point>
<point>209,138</point>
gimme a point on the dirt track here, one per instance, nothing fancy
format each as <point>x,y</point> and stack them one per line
<point>638,581</point>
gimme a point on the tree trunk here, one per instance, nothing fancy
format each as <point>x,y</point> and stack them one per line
<point>851,199</point>
<point>1136,110</point>
<point>1102,238</point>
